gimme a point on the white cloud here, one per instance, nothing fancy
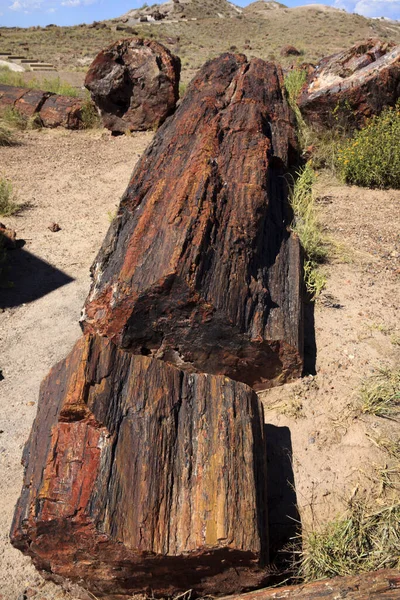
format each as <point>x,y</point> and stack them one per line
<point>28,6</point>
<point>371,8</point>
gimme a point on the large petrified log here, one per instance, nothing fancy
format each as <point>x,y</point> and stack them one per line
<point>135,84</point>
<point>382,585</point>
<point>354,84</point>
<point>54,110</point>
<point>199,268</point>
<point>141,476</point>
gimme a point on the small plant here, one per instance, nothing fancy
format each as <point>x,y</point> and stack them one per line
<point>14,119</point>
<point>359,541</point>
<point>6,136</point>
<point>372,157</point>
<point>305,224</point>
<point>7,205</point>
<point>380,394</point>
<point>294,82</point>
<point>90,116</point>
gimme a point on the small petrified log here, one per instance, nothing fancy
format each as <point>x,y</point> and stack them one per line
<point>54,110</point>
<point>290,51</point>
<point>62,111</point>
<point>139,476</point>
<point>382,585</point>
<point>352,85</point>
<point>135,84</point>
<point>199,268</point>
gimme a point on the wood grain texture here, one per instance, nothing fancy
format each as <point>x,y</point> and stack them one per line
<point>379,585</point>
<point>135,84</point>
<point>199,268</point>
<point>350,87</point>
<point>139,476</point>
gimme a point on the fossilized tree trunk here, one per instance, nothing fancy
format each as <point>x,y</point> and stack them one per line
<point>141,476</point>
<point>199,268</point>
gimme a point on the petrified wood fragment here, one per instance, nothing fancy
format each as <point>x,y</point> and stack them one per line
<point>138,476</point>
<point>135,84</point>
<point>382,585</point>
<point>199,268</point>
<point>352,85</point>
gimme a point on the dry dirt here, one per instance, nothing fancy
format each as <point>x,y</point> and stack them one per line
<point>75,179</point>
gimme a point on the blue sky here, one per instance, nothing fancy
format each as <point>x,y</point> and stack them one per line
<point>25,13</point>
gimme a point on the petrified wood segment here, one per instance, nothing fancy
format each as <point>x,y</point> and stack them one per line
<point>54,110</point>
<point>199,268</point>
<point>382,585</point>
<point>352,85</point>
<point>138,475</point>
<point>135,84</point>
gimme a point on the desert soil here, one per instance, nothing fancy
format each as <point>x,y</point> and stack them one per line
<point>75,179</point>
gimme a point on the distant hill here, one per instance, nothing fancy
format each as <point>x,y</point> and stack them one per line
<point>184,9</point>
<point>262,8</point>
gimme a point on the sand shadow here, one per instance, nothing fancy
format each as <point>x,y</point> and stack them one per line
<point>283,517</point>
<point>25,278</point>
<point>310,344</point>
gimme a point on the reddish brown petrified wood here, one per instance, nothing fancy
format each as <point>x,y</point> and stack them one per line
<point>382,585</point>
<point>353,85</point>
<point>135,84</point>
<point>199,267</point>
<point>139,476</point>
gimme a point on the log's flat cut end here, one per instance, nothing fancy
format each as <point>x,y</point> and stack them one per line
<point>139,475</point>
<point>199,268</point>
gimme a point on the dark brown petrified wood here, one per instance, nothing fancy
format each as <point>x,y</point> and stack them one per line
<point>141,477</point>
<point>379,585</point>
<point>199,268</point>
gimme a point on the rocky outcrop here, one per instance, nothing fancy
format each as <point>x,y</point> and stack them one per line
<point>140,476</point>
<point>52,110</point>
<point>135,84</point>
<point>383,584</point>
<point>353,85</point>
<point>199,268</point>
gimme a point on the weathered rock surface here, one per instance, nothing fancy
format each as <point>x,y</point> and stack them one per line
<point>359,82</point>
<point>139,476</point>
<point>290,51</point>
<point>199,268</point>
<point>383,584</point>
<point>135,84</point>
<point>53,110</point>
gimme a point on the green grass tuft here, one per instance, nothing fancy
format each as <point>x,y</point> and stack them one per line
<point>54,84</point>
<point>372,157</point>
<point>8,206</point>
<point>358,542</point>
<point>306,225</point>
<point>380,394</point>
<point>294,81</point>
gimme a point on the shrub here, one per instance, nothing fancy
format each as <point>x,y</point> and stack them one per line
<point>294,81</point>
<point>7,205</point>
<point>372,157</point>
<point>13,118</point>
<point>6,137</point>
<point>89,114</point>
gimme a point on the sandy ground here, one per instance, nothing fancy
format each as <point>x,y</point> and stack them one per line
<point>320,444</point>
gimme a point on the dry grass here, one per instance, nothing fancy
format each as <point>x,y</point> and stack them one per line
<point>361,540</point>
<point>8,206</point>
<point>6,136</point>
<point>380,394</point>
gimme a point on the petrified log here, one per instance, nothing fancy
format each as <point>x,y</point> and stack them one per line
<point>138,476</point>
<point>135,84</point>
<point>382,585</point>
<point>62,111</point>
<point>352,85</point>
<point>199,268</point>
<point>54,110</point>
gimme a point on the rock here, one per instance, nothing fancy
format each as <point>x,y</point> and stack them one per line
<point>379,584</point>
<point>31,102</point>
<point>353,85</point>
<point>139,476</point>
<point>54,227</point>
<point>199,268</point>
<point>290,51</point>
<point>8,237</point>
<point>9,95</point>
<point>62,111</point>
<point>135,84</point>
